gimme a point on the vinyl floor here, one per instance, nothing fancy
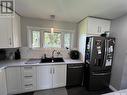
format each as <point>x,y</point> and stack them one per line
<point>69,91</point>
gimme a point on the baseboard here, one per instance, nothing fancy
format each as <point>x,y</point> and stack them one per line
<point>112,88</point>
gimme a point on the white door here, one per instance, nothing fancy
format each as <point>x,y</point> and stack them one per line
<point>59,76</point>
<point>105,25</point>
<point>3,89</point>
<point>44,77</point>
<point>16,31</point>
<point>13,76</point>
<point>6,40</point>
<point>93,26</point>
<point>0,82</point>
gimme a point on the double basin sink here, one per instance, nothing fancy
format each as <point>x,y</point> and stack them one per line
<point>45,60</point>
<point>51,60</point>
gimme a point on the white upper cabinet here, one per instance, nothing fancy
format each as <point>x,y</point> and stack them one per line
<point>6,40</point>
<point>97,26</point>
<point>16,31</point>
<point>10,31</point>
<point>94,26</point>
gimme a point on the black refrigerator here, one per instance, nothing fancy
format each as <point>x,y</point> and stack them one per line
<point>98,62</point>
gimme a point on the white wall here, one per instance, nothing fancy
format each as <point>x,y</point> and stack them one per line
<point>119,69</point>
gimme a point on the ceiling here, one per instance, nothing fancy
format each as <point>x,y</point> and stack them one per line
<point>71,10</point>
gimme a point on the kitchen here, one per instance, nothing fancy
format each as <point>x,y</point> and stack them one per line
<point>47,50</point>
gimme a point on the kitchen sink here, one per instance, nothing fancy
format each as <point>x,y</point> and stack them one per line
<point>60,59</point>
<point>51,60</point>
<point>46,60</point>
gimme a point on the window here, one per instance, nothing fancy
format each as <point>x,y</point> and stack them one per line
<point>35,39</point>
<point>52,39</point>
<point>67,40</point>
<point>38,38</point>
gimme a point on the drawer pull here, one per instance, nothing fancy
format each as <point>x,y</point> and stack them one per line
<point>27,76</point>
<point>100,74</point>
<point>28,85</point>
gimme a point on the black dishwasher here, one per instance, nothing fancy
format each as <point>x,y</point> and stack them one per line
<point>75,74</point>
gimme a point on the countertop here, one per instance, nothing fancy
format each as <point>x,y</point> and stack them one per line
<point>33,62</point>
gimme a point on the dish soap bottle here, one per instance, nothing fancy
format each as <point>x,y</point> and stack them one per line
<point>17,54</point>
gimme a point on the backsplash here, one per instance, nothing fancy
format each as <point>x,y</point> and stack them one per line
<point>27,53</point>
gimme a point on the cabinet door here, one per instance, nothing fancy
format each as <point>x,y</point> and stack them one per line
<point>6,40</point>
<point>104,25</point>
<point>13,76</point>
<point>16,31</point>
<point>97,26</point>
<point>3,89</point>
<point>44,77</point>
<point>93,26</point>
<point>59,76</point>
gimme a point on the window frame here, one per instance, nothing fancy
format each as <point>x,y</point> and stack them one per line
<point>42,31</point>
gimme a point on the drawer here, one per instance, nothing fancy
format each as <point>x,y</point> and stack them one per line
<point>28,78</point>
<point>28,87</point>
<point>28,81</point>
<point>28,71</point>
<point>28,74</point>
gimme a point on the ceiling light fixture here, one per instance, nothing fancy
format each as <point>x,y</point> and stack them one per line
<point>52,17</point>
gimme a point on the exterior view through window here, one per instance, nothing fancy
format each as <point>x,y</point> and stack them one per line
<point>52,39</point>
<point>47,39</point>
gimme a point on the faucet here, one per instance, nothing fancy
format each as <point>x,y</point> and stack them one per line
<point>53,53</point>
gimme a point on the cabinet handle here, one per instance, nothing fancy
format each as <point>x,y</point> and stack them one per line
<point>100,74</point>
<point>10,41</point>
<point>28,85</point>
<point>27,76</point>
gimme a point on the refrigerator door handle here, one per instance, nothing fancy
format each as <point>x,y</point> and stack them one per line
<point>105,54</point>
<point>100,74</point>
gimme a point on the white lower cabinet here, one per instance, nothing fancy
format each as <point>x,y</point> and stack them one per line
<point>3,89</point>
<point>51,76</point>
<point>30,78</point>
<point>13,78</point>
<point>44,77</point>
<point>28,74</point>
<point>59,76</point>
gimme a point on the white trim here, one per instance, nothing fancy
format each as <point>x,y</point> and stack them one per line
<point>62,31</point>
<point>112,88</point>
<point>42,28</point>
